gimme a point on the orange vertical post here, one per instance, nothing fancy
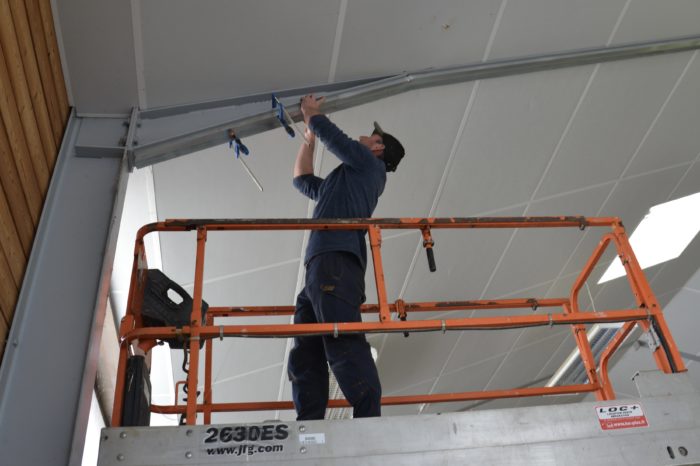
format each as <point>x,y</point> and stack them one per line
<point>209,347</point>
<point>195,325</point>
<point>584,348</point>
<point>375,241</point>
<point>605,358</point>
<point>666,355</point>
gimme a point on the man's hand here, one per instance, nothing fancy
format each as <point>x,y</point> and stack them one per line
<point>311,106</point>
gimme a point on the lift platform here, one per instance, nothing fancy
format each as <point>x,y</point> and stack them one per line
<point>661,427</point>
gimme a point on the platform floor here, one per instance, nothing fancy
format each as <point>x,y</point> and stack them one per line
<point>662,427</point>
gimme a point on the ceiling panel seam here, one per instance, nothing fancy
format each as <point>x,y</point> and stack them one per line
<point>639,146</point>
<point>257,370</point>
<point>620,17</point>
<point>546,364</point>
<point>137,31</point>
<point>494,30</point>
<point>564,133</point>
<point>445,174</point>
<point>610,39</point>
<point>475,363</point>
<point>500,260</point>
<point>438,195</point>
<point>262,268</point>
<point>337,40</point>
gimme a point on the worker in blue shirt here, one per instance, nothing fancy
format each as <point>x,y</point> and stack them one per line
<point>335,265</point>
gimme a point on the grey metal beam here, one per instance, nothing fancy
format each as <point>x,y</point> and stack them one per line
<point>160,112</point>
<point>258,117</point>
<point>48,372</point>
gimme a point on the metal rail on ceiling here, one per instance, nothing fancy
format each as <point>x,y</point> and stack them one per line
<point>253,119</point>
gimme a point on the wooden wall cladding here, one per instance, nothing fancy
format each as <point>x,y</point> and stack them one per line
<point>34,110</point>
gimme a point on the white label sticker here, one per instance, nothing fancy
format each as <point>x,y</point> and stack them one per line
<point>621,416</point>
<point>312,439</point>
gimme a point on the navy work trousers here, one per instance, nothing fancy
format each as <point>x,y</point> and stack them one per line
<point>334,291</point>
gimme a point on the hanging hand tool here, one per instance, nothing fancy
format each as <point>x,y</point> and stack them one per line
<point>428,244</point>
<point>282,115</point>
<point>238,147</point>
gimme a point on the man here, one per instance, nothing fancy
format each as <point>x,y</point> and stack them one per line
<point>335,265</point>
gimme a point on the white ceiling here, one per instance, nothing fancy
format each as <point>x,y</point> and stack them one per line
<point>598,140</point>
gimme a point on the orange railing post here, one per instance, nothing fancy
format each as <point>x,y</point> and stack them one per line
<point>666,355</point>
<point>195,328</point>
<point>375,241</point>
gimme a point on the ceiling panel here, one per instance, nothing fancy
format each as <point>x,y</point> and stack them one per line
<point>225,49</point>
<point>428,138</point>
<point>400,410</point>
<point>268,287</point>
<point>464,260</point>
<point>509,139</point>
<point>647,20</point>
<point>385,37</point>
<point>472,378</point>
<point>694,282</point>
<point>213,184</point>
<point>674,139</point>
<point>575,24</point>
<point>631,200</point>
<point>397,254</point>
<point>619,107</point>
<point>538,254</point>
<point>407,361</point>
<point>690,184</point>
<point>668,277</point>
<point>264,387</point>
<point>476,346</point>
<point>523,364</point>
<point>98,52</point>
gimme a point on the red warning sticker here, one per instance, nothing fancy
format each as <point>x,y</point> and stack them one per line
<point>621,416</point>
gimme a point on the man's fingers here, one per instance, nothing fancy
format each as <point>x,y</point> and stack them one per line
<point>320,100</point>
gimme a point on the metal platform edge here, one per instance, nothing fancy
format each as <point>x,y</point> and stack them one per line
<point>662,427</point>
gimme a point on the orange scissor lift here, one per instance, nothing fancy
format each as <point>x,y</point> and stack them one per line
<point>647,313</point>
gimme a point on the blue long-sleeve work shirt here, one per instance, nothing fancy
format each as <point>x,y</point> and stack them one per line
<point>351,190</point>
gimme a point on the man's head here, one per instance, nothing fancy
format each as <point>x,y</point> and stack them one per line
<point>385,146</point>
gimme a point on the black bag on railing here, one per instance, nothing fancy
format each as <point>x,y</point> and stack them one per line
<point>160,311</point>
<point>137,393</point>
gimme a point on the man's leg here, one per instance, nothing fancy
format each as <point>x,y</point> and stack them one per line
<point>307,367</point>
<point>336,288</point>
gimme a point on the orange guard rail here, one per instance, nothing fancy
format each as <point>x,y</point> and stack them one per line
<point>647,314</point>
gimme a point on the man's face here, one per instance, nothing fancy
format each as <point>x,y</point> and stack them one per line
<point>373,143</point>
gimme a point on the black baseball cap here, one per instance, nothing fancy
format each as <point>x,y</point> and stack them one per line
<point>393,150</point>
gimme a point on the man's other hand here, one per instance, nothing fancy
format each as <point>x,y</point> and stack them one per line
<point>311,106</point>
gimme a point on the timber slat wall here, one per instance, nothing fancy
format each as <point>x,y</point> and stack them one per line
<point>33,112</point>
